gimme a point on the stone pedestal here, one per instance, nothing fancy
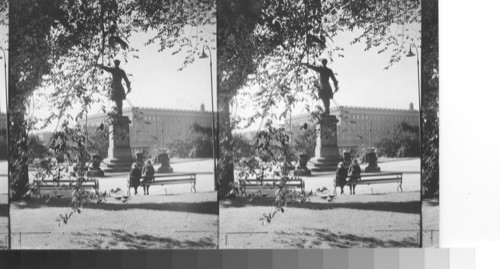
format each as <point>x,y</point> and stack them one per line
<point>347,159</point>
<point>327,152</point>
<point>119,152</point>
<point>302,170</point>
<point>371,159</point>
<point>165,163</point>
<point>95,170</point>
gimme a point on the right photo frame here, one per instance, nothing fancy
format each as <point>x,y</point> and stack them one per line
<point>328,124</point>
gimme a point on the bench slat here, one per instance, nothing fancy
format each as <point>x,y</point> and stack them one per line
<point>378,178</point>
<point>170,179</point>
<point>268,184</point>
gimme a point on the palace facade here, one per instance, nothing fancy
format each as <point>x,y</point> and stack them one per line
<point>362,127</point>
<point>153,129</point>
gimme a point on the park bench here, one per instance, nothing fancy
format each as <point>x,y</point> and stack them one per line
<point>254,184</point>
<point>379,178</point>
<point>170,179</point>
<point>62,188</point>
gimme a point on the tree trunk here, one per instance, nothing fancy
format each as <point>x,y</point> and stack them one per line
<point>225,165</point>
<point>18,144</point>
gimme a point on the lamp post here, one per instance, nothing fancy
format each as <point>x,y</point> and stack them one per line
<point>204,56</point>
<point>9,243</point>
<point>411,54</point>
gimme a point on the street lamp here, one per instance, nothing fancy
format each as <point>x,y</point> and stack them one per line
<point>411,54</point>
<point>204,56</point>
<point>6,109</point>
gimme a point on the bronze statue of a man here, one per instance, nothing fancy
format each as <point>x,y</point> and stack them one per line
<point>325,92</point>
<point>117,93</point>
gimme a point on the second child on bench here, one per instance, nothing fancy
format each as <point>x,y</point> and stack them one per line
<point>148,175</point>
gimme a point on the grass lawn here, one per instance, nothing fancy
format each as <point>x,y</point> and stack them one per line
<point>174,221</point>
<point>384,220</point>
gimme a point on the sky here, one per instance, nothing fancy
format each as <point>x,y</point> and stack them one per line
<point>363,82</point>
<point>156,81</point>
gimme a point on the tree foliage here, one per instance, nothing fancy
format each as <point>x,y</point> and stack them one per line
<point>37,150</point>
<point>403,142</point>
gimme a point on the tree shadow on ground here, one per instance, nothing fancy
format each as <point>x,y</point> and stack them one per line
<point>119,239</point>
<point>320,238</point>
<point>411,207</point>
<point>211,207</point>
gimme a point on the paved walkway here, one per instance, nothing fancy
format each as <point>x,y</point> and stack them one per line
<point>411,178</point>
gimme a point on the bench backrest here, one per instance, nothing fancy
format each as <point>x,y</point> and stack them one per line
<point>176,175</point>
<point>62,183</point>
<point>270,182</point>
<point>380,175</point>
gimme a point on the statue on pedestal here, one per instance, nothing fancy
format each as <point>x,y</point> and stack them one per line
<point>119,151</point>
<point>325,92</point>
<point>95,169</point>
<point>371,158</point>
<point>117,92</point>
<point>302,169</point>
<point>165,163</point>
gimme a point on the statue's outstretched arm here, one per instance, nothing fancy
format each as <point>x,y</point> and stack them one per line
<point>105,68</point>
<point>315,68</point>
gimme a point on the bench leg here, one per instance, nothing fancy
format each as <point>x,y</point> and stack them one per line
<point>166,191</point>
<point>400,187</point>
<point>193,187</point>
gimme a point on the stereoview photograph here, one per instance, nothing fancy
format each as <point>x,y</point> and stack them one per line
<point>319,124</point>
<point>111,137</point>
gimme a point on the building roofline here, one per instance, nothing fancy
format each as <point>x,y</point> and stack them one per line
<point>166,109</point>
<point>378,109</point>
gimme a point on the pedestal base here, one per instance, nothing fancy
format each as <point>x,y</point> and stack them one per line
<point>371,168</point>
<point>302,172</point>
<point>325,164</point>
<point>117,165</point>
<point>95,173</point>
<point>119,151</point>
<point>327,151</point>
<point>165,170</point>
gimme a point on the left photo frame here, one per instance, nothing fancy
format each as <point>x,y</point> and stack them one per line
<point>4,179</point>
<point>111,138</point>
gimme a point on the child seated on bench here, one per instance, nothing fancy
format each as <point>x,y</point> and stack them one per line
<point>340,177</point>
<point>135,177</point>
<point>354,173</point>
<point>148,172</point>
